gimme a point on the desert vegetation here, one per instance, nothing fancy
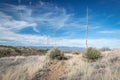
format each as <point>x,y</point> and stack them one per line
<point>75,53</point>
<point>92,54</point>
<point>75,67</point>
<point>55,53</point>
<point>15,51</point>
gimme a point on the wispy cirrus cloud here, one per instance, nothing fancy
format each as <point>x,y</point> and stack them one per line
<point>42,14</point>
<point>39,15</point>
<point>15,18</point>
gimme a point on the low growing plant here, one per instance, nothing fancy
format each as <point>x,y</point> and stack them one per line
<point>92,54</point>
<point>76,53</point>
<point>55,53</point>
<point>5,52</point>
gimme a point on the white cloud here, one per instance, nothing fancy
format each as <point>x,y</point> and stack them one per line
<point>109,31</point>
<point>9,23</point>
<point>45,15</point>
<point>34,40</point>
<point>112,43</point>
<point>22,16</point>
<point>38,40</point>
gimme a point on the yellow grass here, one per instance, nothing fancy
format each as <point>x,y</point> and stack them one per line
<point>25,70</point>
<point>76,68</point>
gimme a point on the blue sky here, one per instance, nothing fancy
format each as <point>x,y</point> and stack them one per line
<point>33,22</point>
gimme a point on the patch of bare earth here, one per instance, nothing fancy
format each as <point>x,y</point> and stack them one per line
<point>52,70</point>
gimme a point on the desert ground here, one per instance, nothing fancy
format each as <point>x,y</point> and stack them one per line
<point>39,67</point>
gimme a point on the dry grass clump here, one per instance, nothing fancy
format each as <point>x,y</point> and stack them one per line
<point>92,54</point>
<point>20,68</point>
<point>5,52</point>
<point>75,68</point>
<point>103,69</point>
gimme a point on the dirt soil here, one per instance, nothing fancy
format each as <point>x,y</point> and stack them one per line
<point>53,70</point>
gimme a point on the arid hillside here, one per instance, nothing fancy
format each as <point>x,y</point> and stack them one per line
<point>75,67</point>
<point>20,51</point>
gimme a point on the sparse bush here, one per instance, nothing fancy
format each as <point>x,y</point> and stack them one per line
<point>92,54</point>
<point>105,49</point>
<point>55,54</point>
<point>76,53</point>
<point>5,52</point>
<point>17,50</point>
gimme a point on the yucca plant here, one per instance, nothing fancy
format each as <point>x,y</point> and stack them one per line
<point>92,54</point>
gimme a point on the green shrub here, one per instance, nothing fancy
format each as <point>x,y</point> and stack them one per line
<point>5,52</point>
<point>18,50</point>
<point>92,54</point>
<point>76,53</point>
<point>55,54</point>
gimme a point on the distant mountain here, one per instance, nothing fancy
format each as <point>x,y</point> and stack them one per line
<point>64,48</point>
